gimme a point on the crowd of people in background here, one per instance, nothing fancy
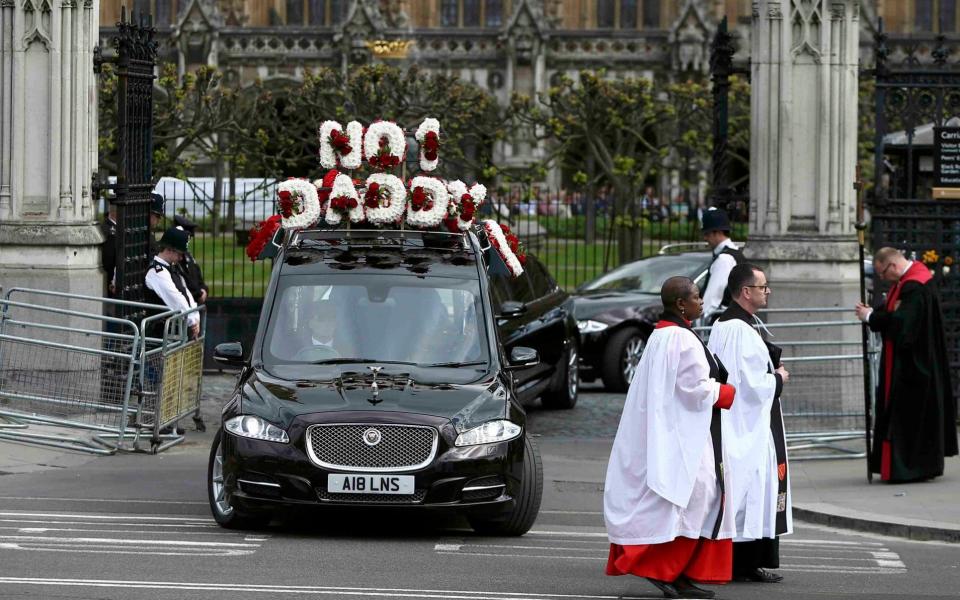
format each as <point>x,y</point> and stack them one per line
<point>563,202</point>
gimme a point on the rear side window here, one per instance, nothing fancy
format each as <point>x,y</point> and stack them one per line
<point>539,277</point>
<point>520,288</point>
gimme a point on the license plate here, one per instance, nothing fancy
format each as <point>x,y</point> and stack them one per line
<point>370,484</point>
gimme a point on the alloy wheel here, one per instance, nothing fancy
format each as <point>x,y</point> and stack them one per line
<point>573,372</point>
<point>631,357</point>
<point>216,483</point>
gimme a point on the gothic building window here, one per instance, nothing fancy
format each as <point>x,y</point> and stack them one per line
<point>628,14</point>
<point>162,11</point>
<point>494,13</point>
<point>935,16</point>
<point>295,12</point>
<point>471,13</point>
<point>450,13</point>
<point>651,14</point>
<point>606,13</point>
<point>318,13</point>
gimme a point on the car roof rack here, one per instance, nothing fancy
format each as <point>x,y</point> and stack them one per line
<point>394,238</point>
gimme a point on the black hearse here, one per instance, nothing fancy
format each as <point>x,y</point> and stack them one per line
<point>378,378</point>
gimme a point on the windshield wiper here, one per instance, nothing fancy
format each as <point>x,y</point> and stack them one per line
<point>455,364</point>
<point>343,361</point>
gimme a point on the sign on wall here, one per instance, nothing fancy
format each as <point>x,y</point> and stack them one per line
<point>946,157</point>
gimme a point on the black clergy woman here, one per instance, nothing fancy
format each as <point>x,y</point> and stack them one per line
<point>663,500</point>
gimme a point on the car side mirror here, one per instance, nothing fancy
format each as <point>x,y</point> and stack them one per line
<point>511,309</point>
<point>522,357</point>
<point>229,353</point>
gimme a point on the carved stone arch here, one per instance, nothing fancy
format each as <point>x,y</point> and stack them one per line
<point>37,28</point>
<point>526,31</point>
<point>196,31</point>
<point>806,21</point>
<point>690,35</point>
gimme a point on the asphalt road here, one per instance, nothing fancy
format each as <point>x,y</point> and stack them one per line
<point>138,527</point>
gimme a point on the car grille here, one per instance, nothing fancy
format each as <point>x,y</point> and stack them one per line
<point>342,446</point>
<point>415,498</point>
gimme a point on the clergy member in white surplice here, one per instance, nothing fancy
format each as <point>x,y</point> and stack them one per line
<point>663,500</point>
<point>753,433</point>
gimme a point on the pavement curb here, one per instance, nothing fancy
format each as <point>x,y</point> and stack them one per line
<point>833,516</point>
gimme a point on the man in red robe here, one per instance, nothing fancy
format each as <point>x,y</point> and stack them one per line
<point>916,413</point>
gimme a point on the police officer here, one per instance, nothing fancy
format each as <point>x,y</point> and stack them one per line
<point>726,255</point>
<point>165,284</point>
<point>189,267</point>
<point>156,215</point>
<point>109,251</point>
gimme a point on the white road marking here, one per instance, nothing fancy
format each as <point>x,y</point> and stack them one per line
<point>179,525</point>
<point>317,590</point>
<point>795,541</point>
<point>143,552</point>
<point>447,547</point>
<point>125,501</point>
<point>107,517</point>
<point>123,542</point>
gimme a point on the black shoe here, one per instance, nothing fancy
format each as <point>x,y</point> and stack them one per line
<point>758,576</point>
<point>171,429</point>
<point>687,589</point>
<point>667,588</point>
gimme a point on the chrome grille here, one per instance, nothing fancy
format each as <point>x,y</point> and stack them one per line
<point>415,498</point>
<point>401,447</point>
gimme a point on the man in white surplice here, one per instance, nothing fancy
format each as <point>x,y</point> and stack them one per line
<point>663,501</point>
<point>753,432</point>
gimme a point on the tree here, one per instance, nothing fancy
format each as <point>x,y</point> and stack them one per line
<point>473,120</point>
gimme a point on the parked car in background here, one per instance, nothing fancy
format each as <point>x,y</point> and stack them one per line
<point>617,311</point>
<point>534,312</point>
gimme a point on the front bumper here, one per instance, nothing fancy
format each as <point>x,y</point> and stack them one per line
<point>265,476</point>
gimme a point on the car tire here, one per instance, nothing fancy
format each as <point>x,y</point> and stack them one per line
<point>526,503</point>
<point>562,393</point>
<point>623,347</point>
<point>223,512</point>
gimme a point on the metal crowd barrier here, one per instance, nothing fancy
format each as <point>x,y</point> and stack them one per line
<point>67,363</point>
<point>823,403</point>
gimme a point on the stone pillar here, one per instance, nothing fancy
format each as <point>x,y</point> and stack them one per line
<point>48,145</point>
<point>803,149</point>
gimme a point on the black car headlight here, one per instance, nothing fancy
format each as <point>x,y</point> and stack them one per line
<point>491,432</point>
<point>254,427</point>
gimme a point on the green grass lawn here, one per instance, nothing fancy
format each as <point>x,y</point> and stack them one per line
<point>226,268</point>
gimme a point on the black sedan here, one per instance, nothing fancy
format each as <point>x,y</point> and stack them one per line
<point>380,377</point>
<point>617,311</point>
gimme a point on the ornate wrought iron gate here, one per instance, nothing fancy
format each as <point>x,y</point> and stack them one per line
<point>916,91</point>
<point>722,49</point>
<point>135,59</point>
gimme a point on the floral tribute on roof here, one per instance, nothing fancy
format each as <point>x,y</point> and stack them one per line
<point>508,246</point>
<point>383,199</point>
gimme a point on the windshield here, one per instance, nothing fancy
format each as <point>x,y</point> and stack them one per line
<point>647,275</point>
<point>339,319</point>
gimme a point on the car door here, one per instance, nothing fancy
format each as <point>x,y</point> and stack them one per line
<point>515,331</point>
<point>546,327</point>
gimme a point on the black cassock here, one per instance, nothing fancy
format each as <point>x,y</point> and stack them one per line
<point>916,412</point>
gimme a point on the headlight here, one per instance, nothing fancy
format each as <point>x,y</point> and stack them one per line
<point>254,427</point>
<point>489,433</point>
<point>589,326</point>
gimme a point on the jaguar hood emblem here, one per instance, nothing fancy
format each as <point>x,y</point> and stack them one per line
<point>374,399</point>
